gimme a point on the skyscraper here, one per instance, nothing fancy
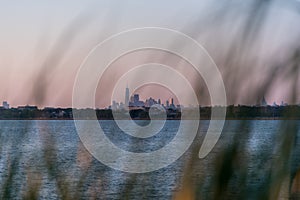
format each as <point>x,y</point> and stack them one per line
<point>167,104</point>
<point>136,98</point>
<point>127,96</point>
<point>263,102</point>
<point>5,105</point>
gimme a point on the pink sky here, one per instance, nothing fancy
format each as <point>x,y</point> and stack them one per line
<point>53,40</point>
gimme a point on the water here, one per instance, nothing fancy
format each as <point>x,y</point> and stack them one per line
<point>50,153</point>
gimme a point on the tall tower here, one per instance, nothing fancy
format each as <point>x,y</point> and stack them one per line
<point>264,102</point>
<point>127,96</point>
<point>5,105</point>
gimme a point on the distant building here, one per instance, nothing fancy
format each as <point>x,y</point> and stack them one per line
<point>283,104</point>
<point>127,96</point>
<point>115,105</point>
<point>5,105</point>
<point>122,106</point>
<point>136,98</point>
<point>167,104</point>
<point>263,102</point>
<point>150,102</point>
<point>135,101</point>
<point>172,106</point>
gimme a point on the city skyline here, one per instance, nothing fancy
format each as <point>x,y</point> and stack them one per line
<point>134,101</point>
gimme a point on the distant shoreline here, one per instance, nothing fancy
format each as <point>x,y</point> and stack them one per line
<point>232,113</point>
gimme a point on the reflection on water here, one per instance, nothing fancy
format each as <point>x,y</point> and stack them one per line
<point>27,142</point>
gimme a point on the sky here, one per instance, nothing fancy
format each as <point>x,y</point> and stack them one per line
<point>44,43</point>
